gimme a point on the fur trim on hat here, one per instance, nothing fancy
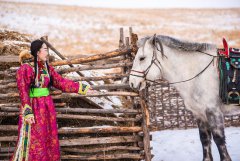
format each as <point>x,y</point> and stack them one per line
<point>25,56</point>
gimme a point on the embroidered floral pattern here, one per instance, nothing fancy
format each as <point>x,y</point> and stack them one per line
<point>22,149</point>
<point>27,112</point>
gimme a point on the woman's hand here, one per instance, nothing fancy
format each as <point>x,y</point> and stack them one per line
<point>91,91</point>
<point>30,120</point>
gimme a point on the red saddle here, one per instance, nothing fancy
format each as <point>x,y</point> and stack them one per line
<point>226,50</point>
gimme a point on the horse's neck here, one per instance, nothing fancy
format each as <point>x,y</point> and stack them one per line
<point>180,66</point>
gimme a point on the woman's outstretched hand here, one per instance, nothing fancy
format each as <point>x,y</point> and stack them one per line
<point>30,120</point>
<point>91,91</point>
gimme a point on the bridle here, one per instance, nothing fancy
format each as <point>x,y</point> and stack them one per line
<point>143,74</point>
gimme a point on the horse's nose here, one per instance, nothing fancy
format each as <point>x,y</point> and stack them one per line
<point>136,88</point>
<point>133,87</point>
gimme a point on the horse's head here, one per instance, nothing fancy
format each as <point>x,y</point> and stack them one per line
<point>147,62</point>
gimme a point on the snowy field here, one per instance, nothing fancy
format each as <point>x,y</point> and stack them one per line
<point>143,3</point>
<point>76,29</point>
<point>185,145</point>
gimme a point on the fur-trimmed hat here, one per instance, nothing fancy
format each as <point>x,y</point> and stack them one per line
<point>25,56</point>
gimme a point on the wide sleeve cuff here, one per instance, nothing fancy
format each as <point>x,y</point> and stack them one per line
<point>27,111</point>
<point>83,88</point>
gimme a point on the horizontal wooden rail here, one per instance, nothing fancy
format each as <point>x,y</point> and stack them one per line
<point>111,54</point>
<point>72,95</point>
<point>83,130</point>
<point>103,157</point>
<point>79,110</point>
<point>93,67</point>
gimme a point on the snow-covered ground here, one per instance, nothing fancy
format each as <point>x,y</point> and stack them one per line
<point>185,145</point>
<point>143,3</point>
<point>74,29</point>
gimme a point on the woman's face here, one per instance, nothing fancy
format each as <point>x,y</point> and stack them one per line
<point>43,53</point>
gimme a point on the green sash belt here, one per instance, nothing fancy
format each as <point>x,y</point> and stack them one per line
<point>38,92</point>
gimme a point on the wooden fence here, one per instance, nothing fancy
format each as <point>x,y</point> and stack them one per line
<point>168,111</point>
<point>87,131</point>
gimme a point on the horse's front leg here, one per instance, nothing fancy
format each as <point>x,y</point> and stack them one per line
<point>205,137</point>
<point>216,122</point>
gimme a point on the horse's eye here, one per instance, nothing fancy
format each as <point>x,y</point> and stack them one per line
<point>142,58</point>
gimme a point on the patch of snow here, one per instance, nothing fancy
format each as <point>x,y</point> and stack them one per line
<point>185,145</point>
<point>142,3</point>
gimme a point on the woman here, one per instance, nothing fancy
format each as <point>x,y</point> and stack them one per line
<point>38,135</point>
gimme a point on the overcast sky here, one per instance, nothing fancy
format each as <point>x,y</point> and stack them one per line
<point>143,3</point>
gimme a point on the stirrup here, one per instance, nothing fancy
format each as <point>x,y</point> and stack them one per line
<point>233,92</point>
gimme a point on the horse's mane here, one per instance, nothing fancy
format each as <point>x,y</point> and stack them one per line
<point>178,44</point>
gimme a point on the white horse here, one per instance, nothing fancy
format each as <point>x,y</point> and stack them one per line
<point>193,68</point>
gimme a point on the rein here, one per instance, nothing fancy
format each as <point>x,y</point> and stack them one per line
<point>155,61</point>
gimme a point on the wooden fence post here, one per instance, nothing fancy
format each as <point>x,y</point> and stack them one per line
<point>146,135</point>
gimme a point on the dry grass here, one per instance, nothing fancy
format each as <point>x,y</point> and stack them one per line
<point>11,43</point>
<point>77,30</point>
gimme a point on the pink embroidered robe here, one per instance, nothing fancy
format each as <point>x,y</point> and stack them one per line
<point>43,136</point>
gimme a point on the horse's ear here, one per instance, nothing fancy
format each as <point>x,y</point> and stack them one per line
<point>158,44</point>
<point>154,39</point>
